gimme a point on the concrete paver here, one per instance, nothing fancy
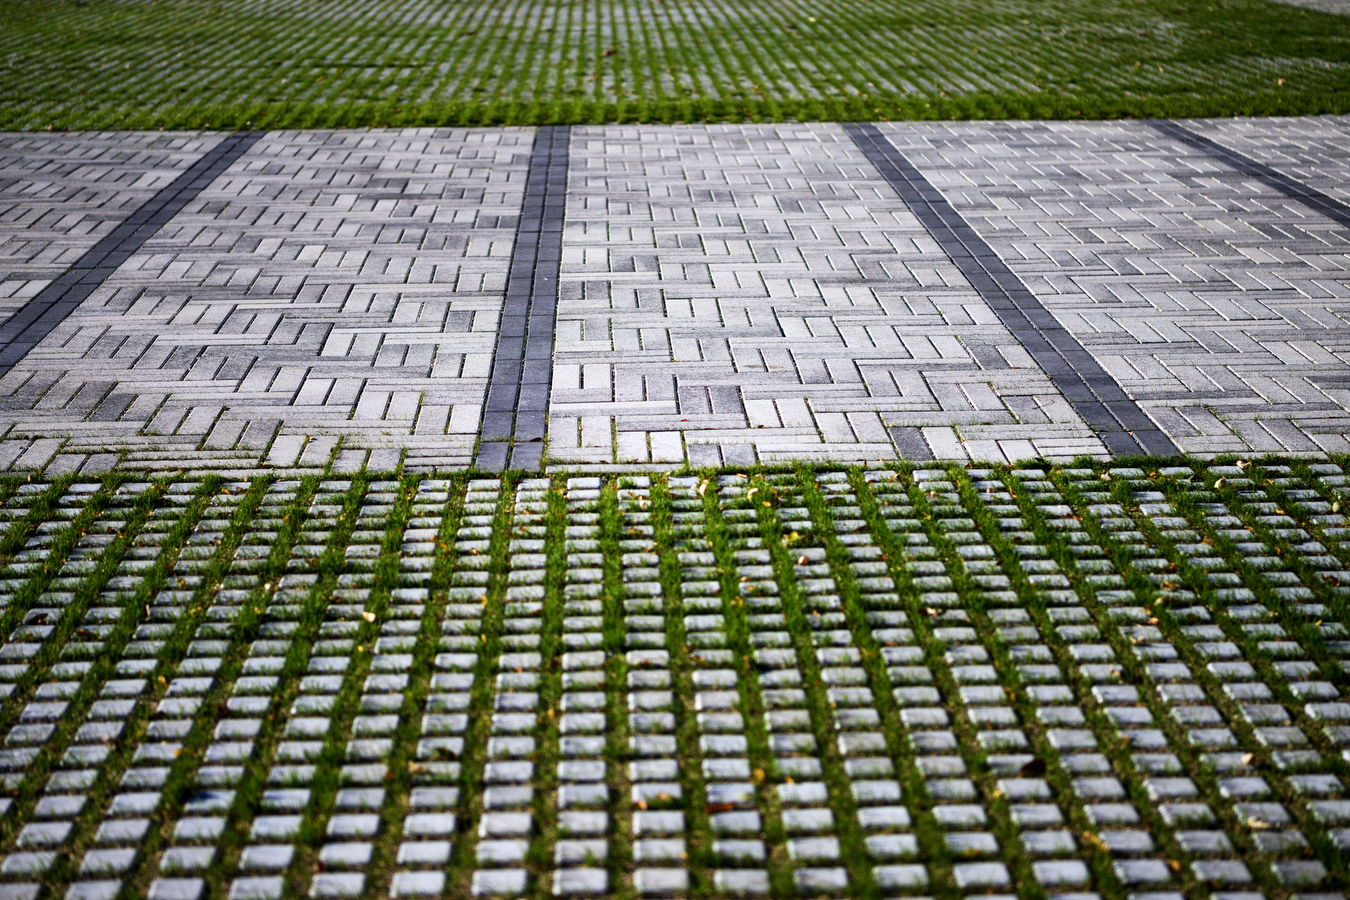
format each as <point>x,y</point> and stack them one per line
<point>742,293</point>
<point>331,292</point>
<point>61,193</point>
<point>728,294</point>
<point>1216,302</point>
<point>1101,678</point>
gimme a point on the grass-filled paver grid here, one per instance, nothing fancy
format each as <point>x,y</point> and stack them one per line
<point>871,682</point>
<point>185,64</point>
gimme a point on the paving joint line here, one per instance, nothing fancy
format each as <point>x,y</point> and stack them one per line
<point>515,410</point>
<point>26,328</point>
<point>1117,419</point>
<point>1310,197</point>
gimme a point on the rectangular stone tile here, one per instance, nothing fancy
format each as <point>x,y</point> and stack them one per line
<point>742,285</point>
<point>61,193</point>
<point>1215,301</point>
<point>327,286</point>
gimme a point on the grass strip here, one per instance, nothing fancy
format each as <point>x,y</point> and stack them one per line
<point>727,493</point>
<point>482,541</point>
<point>178,523</point>
<point>430,500</point>
<point>178,783</point>
<point>186,64</point>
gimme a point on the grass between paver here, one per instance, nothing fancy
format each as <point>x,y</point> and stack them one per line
<point>1165,528</point>
<point>188,64</point>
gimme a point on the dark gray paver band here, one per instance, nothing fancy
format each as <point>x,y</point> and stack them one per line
<point>516,406</point>
<point>59,299</point>
<point>1294,189</point>
<point>1122,425</point>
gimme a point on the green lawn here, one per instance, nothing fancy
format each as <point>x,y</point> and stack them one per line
<point>291,63</point>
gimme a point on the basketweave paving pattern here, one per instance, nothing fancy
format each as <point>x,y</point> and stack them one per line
<point>61,193</point>
<point>781,301</point>
<point>1096,682</point>
<point>330,289</point>
<point>743,293</point>
<point>1216,302</point>
<point>1309,148</point>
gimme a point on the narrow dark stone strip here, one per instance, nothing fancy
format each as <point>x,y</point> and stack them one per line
<point>1123,427</point>
<point>1310,197</point>
<point>516,408</point>
<point>39,316</point>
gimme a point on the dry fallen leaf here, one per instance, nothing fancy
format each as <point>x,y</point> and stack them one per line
<point>1033,769</point>
<point>719,808</point>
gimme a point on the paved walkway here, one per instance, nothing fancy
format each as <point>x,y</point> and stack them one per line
<point>710,294</point>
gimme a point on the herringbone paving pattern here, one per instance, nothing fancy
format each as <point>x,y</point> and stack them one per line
<point>729,295</point>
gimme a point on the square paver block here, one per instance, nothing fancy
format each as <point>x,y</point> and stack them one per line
<point>901,877</point>
<point>92,890</point>
<point>885,847</point>
<point>429,824</point>
<point>661,881</point>
<point>275,828</point>
<point>981,875</point>
<point>651,822</point>
<point>44,834</point>
<point>186,859</point>
<point>40,862</point>
<point>1142,871</point>
<point>95,862</point>
<point>424,853</point>
<point>831,880</point>
<point>359,826</point>
<point>741,881</point>
<point>1061,872</point>
<point>1297,873</point>
<point>1222,871</point>
<point>266,857</point>
<point>176,889</point>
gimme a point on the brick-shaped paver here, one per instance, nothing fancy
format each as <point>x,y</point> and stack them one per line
<point>758,292</point>
<point>61,193</point>
<point>1215,301</point>
<point>728,294</point>
<point>1099,680</point>
<point>332,296</point>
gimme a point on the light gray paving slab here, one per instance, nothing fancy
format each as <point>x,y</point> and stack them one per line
<point>758,292</point>
<point>61,193</point>
<point>1313,149</point>
<point>332,292</point>
<point>1216,302</point>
